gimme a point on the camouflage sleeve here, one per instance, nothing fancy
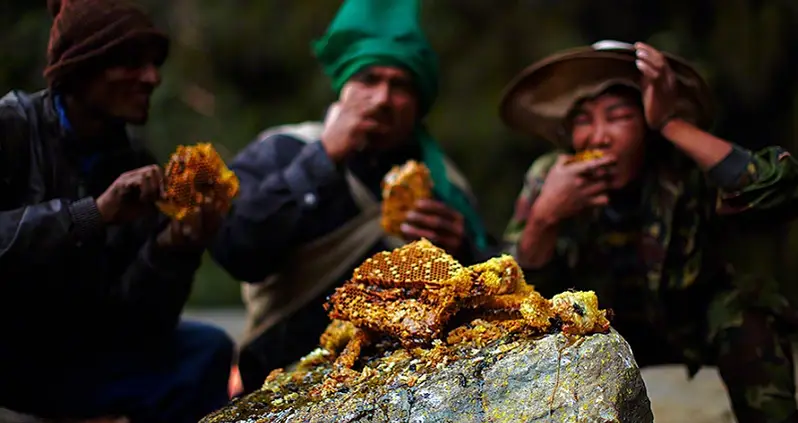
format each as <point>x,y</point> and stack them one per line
<point>533,181</point>
<point>766,182</point>
<point>546,278</point>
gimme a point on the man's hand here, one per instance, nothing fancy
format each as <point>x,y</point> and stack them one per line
<point>196,230</point>
<point>132,195</point>
<point>571,188</point>
<point>347,124</point>
<point>438,223</point>
<point>658,85</point>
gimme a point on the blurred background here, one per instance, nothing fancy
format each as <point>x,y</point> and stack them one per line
<point>239,66</point>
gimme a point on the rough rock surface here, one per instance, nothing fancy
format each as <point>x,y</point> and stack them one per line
<point>550,379</point>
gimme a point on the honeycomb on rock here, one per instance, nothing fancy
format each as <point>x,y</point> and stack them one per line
<point>497,276</point>
<point>402,186</point>
<point>586,155</point>
<point>412,293</point>
<point>196,175</point>
<point>579,312</point>
<point>408,293</point>
<point>419,264</point>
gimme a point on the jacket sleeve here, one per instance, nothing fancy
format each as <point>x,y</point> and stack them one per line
<point>155,287</point>
<point>546,278</point>
<point>30,234</point>
<point>284,184</point>
<point>762,183</point>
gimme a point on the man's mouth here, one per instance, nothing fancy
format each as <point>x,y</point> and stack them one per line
<point>380,115</point>
<point>382,124</point>
<point>141,97</point>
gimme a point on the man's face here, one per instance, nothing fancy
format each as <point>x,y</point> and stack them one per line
<point>393,94</point>
<point>122,90</point>
<point>615,124</point>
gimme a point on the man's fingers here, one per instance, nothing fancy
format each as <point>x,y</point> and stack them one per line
<point>130,191</point>
<point>158,174</point>
<point>594,188</point>
<point>411,232</point>
<point>432,222</point>
<point>653,66</point>
<point>211,217</point>
<point>150,169</point>
<point>599,200</point>
<point>647,61</point>
<point>142,184</point>
<point>350,102</point>
<point>191,226</point>
<point>603,172</point>
<point>447,218</point>
<point>333,113</point>
<point>150,186</point>
<point>367,125</point>
<point>347,94</point>
<point>429,205</point>
<point>562,159</point>
<point>647,69</point>
<point>650,54</point>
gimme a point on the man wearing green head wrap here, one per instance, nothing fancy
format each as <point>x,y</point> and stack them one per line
<point>309,209</point>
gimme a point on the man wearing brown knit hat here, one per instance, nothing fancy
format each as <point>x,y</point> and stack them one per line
<point>94,279</point>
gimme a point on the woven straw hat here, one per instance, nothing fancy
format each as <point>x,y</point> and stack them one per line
<point>537,101</point>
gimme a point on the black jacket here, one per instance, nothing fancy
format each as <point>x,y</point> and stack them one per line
<point>70,286</point>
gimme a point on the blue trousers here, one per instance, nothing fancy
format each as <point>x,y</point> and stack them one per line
<point>179,380</point>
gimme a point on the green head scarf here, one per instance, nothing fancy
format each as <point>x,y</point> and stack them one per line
<point>387,33</point>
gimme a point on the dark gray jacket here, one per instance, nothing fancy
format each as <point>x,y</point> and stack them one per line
<point>71,286</point>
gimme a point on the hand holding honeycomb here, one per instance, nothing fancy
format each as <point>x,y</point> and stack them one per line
<point>401,188</point>
<point>196,175</point>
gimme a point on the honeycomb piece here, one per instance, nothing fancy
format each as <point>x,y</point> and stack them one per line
<point>413,321</point>
<point>524,303</point>
<point>402,186</point>
<point>579,313</point>
<point>195,175</point>
<point>586,155</point>
<point>536,310</point>
<point>413,293</point>
<point>337,335</point>
<point>419,263</point>
<point>497,276</point>
<point>479,332</point>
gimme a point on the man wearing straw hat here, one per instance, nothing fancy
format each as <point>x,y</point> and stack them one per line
<point>639,223</point>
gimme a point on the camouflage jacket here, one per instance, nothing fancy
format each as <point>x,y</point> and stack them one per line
<point>663,266</point>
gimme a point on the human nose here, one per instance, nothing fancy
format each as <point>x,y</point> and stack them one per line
<point>380,94</point>
<point>150,75</point>
<point>600,137</point>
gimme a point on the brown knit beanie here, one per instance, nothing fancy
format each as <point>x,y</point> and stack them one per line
<point>86,30</point>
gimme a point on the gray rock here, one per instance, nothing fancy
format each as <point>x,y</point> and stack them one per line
<point>548,379</point>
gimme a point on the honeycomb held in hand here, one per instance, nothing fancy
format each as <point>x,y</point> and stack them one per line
<point>401,188</point>
<point>195,175</point>
<point>586,155</point>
